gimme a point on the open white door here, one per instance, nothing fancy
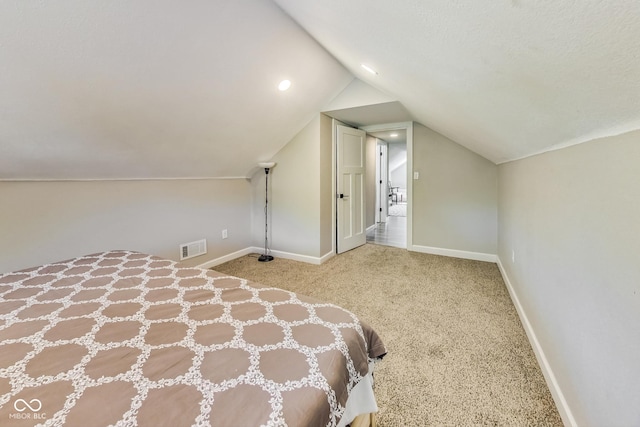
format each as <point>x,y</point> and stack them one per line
<point>382,181</point>
<point>350,171</point>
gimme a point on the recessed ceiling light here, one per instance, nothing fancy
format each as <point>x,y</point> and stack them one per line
<point>393,135</point>
<point>369,69</point>
<point>284,85</point>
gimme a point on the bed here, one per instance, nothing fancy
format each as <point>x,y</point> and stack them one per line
<point>126,338</point>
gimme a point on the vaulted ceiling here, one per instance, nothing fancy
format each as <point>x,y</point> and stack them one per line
<point>505,78</point>
<point>153,89</point>
<point>168,89</point>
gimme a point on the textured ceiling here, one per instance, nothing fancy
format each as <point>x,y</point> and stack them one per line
<point>505,78</point>
<point>166,89</point>
<point>153,89</point>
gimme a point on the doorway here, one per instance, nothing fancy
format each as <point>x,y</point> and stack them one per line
<point>405,129</point>
<point>392,196</point>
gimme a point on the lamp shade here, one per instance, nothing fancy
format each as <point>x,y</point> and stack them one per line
<point>268,165</point>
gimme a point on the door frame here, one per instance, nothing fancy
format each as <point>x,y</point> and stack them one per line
<point>408,127</point>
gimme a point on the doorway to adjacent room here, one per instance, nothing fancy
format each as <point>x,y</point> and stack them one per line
<point>390,227</point>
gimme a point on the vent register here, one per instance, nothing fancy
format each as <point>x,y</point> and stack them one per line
<point>193,249</point>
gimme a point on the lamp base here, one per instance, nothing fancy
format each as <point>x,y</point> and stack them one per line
<point>265,258</point>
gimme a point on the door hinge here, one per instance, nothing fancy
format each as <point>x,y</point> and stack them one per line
<point>380,181</point>
<point>380,209</point>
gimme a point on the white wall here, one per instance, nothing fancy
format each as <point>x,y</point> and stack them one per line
<point>572,218</point>
<point>455,199</point>
<point>398,165</point>
<point>43,222</point>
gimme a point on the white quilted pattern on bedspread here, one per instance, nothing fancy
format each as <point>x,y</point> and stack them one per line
<point>130,339</point>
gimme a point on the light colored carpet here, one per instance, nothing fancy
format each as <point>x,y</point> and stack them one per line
<point>458,355</point>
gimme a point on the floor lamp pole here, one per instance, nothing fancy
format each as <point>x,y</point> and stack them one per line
<point>265,257</point>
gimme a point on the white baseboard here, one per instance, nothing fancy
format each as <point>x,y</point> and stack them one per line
<point>476,256</point>
<point>326,257</point>
<point>229,257</point>
<point>279,254</point>
<point>372,227</point>
<point>552,383</point>
<point>295,257</point>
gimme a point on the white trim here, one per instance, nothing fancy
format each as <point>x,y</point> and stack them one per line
<point>410,171</point>
<point>552,383</point>
<point>279,254</point>
<point>326,257</point>
<point>408,126</point>
<point>295,257</point>
<point>228,257</point>
<point>476,256</point>
<point>387,126</point>
<point>371,227</point>
<point>334,184</point>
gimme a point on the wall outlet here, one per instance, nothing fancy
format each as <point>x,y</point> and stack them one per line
<point>416,175</point>
<point>224,234</point>
<point>513,255</point>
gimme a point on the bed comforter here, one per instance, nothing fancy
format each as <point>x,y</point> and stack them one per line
<point>126,338</point>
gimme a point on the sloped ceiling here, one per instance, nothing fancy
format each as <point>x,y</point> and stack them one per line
<point>504,78</point>
<point>153,89</point>
<point>169,89</point>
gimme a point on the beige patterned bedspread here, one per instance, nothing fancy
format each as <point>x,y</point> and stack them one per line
<point>125,338</point>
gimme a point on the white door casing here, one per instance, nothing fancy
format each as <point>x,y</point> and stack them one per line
<point>408,126</point>
<point>350,195</point>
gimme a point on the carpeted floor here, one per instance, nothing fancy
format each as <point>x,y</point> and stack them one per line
<point>458,355</point>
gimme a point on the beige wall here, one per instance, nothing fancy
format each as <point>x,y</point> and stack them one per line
<point>294,196</point>
<point>572,219</point>
<point>43,222</point>
<point>455,198</point>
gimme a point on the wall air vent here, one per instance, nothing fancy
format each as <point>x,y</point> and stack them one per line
<point>193,249</point>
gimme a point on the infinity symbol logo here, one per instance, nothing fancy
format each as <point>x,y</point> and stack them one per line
<point>21,405</point>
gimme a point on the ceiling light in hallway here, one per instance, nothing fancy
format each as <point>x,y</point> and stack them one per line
<point>284,85</point>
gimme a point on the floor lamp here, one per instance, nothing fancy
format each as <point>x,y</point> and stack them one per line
<point>265,257</point>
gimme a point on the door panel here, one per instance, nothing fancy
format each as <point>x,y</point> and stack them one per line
<point>350,188</point>
<point>352,149</point>
<point>382,177</point>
